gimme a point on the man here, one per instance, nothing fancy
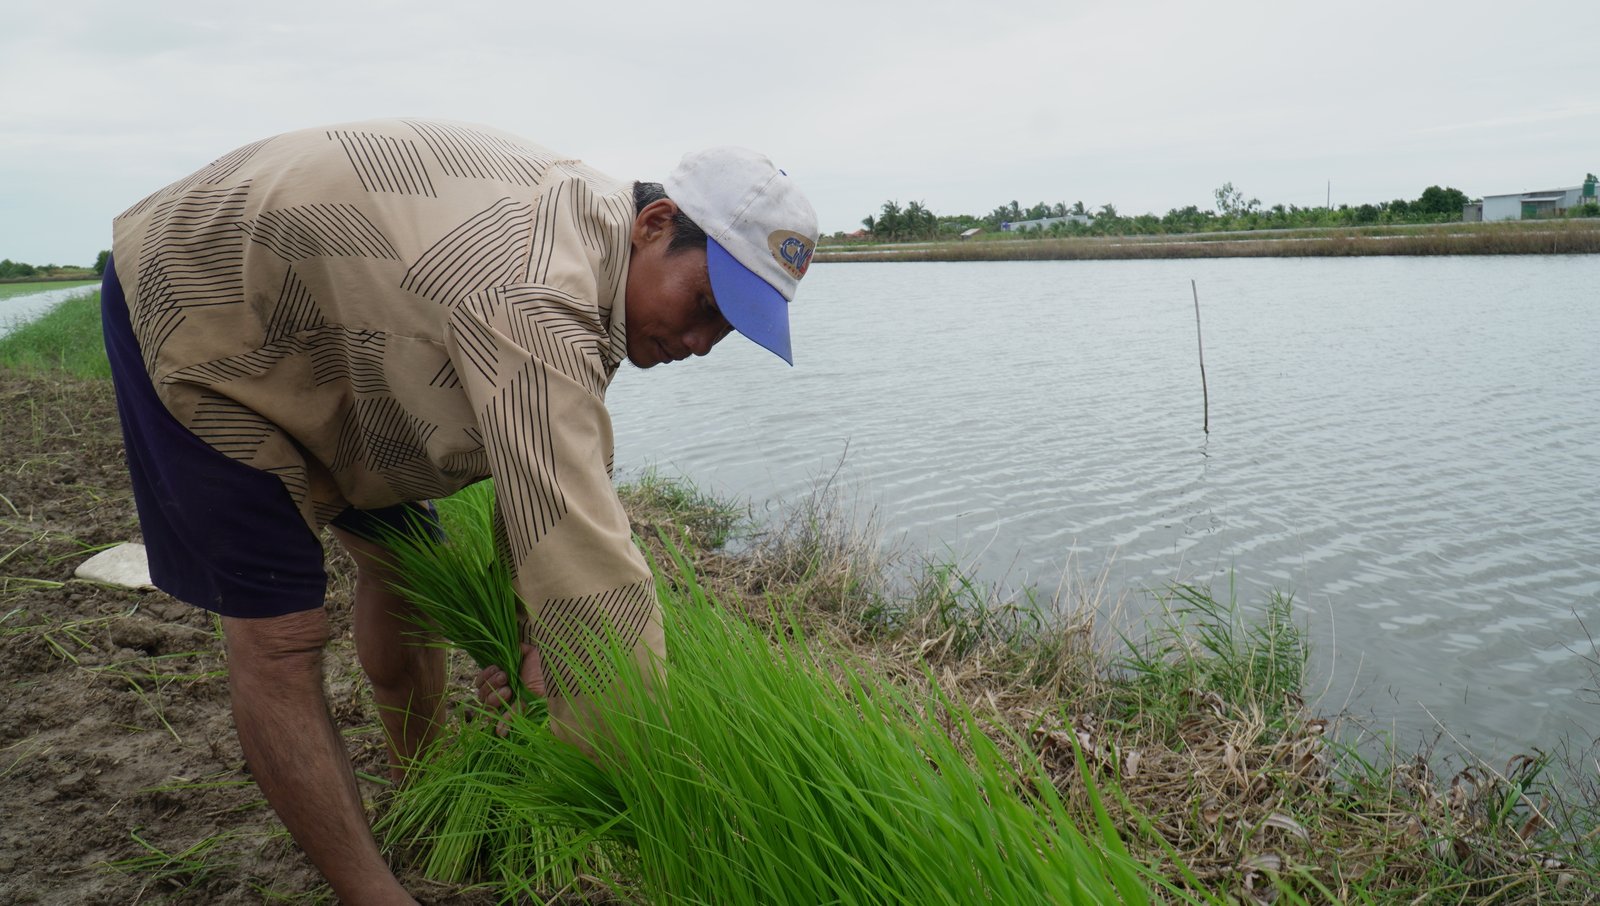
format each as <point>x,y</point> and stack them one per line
<point>328,326</point>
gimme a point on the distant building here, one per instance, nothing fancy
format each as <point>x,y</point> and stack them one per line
<point>968,234</point>
<point>1044,223</point>
<point>1529,205</point>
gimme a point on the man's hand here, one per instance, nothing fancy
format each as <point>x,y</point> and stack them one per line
<point>494,687</point>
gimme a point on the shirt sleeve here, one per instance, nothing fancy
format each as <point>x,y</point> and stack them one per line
<point>529,360</point>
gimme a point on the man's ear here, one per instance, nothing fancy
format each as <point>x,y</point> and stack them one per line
<point>654,222</point>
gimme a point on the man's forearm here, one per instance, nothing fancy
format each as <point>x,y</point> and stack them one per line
<point>297,756</point>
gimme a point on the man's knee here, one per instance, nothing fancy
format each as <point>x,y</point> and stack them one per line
<point>392,641</point>
<point>272,645</point>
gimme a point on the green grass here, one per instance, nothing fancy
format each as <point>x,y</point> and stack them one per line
<point>655,498</point>
<point>66,339</point>
<point>8,290</point>
<point>1205,648</point>
<point>762,772</point>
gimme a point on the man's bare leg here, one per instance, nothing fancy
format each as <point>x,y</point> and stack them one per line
<point>404,663</point>
<point>297,755</point>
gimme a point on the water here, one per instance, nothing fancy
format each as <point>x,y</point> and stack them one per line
<point>1408,445</point>
<point>18,310</point>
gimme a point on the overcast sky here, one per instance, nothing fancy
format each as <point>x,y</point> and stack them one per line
<point>963,106</point>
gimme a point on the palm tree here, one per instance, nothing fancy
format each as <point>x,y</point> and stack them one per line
<point>920,221</point>
<point>892,221</point>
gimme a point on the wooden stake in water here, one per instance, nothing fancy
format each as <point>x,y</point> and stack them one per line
<point>1204,395</point>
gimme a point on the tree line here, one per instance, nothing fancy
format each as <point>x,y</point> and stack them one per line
<point>1232,211</point>
<point>21,270</point>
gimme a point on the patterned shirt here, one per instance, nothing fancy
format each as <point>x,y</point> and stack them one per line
<point>387,311</point>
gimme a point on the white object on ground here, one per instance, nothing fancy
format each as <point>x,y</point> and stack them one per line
<point>124,566</point>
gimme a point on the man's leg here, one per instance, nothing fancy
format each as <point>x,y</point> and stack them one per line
<point>224,536</point>
<point>403,662</point>
<point>297,755</point>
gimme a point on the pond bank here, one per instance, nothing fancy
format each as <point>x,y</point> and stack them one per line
<point>1531,238</point>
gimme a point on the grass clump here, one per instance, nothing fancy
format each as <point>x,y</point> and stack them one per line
<point>1205,650</point>
<point>655,501</point>
<point>65,339</point>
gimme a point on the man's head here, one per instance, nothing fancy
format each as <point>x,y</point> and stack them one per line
<point>720,246</point>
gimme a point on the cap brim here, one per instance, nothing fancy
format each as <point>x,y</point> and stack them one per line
<point>749,303</point>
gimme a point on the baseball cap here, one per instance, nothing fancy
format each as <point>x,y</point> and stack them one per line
<point>760,234</point>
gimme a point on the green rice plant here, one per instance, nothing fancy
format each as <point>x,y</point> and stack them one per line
<point>778,773</point>
<point>447,811</point>
<point>453,814</point>
<point>66,338</point>
<point>460,584</point>
<point>760,772</point>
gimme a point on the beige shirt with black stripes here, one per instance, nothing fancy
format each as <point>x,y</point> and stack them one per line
<point>386,311</point>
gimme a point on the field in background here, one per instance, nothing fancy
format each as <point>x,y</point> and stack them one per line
<point>65,339</point>
<point>1516,238</point>
<point>8,289</point>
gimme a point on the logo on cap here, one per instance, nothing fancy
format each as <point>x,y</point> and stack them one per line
<point>792,251</point>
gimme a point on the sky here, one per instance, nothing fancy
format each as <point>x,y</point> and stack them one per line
<point>1144,104</point>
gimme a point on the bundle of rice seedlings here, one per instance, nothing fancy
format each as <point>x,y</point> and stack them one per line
<point>450,813</point>
<point>759,772</point>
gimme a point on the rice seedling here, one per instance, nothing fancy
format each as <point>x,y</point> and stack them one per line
<point>183,870</point>
<point>448,812</point>
<point>761,772</point>
<point>66,639</point>
<point>462,586</point>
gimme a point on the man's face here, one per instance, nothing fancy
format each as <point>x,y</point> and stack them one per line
<point>670,308</point>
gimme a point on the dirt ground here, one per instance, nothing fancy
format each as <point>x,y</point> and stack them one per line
<point>120,774</point>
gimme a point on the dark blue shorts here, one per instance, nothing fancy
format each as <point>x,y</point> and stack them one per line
<point>219,533</point>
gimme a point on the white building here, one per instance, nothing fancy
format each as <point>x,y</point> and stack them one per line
<point>1022,226</point>
<point>1528,205</point>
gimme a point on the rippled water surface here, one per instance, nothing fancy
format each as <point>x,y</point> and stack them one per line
<point>1409,445</point>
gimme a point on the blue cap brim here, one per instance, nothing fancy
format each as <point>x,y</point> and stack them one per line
<point>749,303</point>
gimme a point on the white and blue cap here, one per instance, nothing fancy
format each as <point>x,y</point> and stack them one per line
<point>760,234</point>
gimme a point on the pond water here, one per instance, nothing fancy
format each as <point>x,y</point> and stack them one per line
<point>1409,446</point>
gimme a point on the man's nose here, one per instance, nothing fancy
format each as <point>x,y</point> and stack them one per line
<point>702,338</point>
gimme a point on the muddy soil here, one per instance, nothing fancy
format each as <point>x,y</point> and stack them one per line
<point>120,774</point>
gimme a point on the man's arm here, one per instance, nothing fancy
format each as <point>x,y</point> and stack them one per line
<point>297,756</point>
<point>531,365</point>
